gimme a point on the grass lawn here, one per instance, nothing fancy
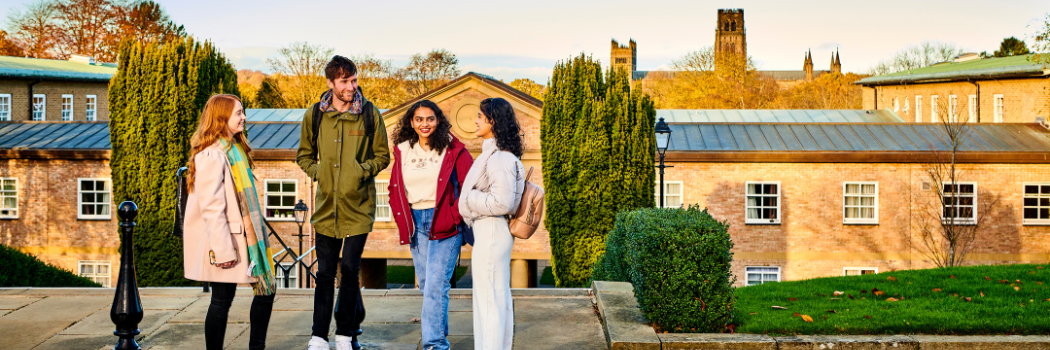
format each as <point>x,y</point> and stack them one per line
<point>1006,299</point>
<point>407,274</point>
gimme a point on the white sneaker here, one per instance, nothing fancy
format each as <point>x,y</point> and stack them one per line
<point>318,343</point>
<point>342,342</point>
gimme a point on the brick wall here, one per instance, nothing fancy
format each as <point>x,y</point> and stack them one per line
<point>1023,99</point>
<point>812,241</point>
<point>19,90</point>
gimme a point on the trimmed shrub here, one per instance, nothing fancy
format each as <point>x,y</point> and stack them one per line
<point>679,263</point>
<point>24,270</point>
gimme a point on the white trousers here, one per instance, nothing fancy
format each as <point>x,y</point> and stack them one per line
<point>490,268</point>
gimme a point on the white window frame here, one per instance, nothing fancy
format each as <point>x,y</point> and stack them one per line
<point>860,221</point>
<point>762,279</point>
<point>11,213</point>
<point>780,213</point>
<point>953,104</point>
<point>383,190</point>
<point>65,117</point>
<point>960,220</point>
<point>896,104</point>
<point>80,197</point>
<point>918,108</point>
<point>1038,195</point>
<point>668,194</point>
<point>266,199</point>
<point>934,100</point>
<point>999,107</point>
<point>95,275</point>
<point>861,269</point>
<point>5,107</point>
<point>972,107</point>
<point>293,275</point>
<point>43,108</point>
<point>91,112</point>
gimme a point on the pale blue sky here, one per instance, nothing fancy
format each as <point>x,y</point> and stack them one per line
<point>524,39</point>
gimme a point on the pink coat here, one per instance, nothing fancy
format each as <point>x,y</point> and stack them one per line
<point>213,222</point>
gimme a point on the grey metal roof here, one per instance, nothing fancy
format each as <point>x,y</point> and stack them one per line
<point>55,135</point>
<point>778,116</point>
<point>87,136</point>
<point>853,137</point>
<point>278,115</point>
<point>36,68</point>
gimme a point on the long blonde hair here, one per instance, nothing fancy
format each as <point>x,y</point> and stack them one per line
<point>213,126</point>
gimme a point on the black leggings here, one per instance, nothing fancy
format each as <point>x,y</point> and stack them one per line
<point>215,323</point>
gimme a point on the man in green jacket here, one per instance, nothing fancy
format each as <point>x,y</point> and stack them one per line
<point>343,159</point>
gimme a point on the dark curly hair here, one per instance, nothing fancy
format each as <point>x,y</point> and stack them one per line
<point>440,139</point>
<point>505,127</point>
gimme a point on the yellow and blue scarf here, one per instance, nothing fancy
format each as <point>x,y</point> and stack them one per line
<point>260,264</point>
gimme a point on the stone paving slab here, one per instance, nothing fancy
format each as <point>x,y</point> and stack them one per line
<point>99,323</point>
<point>999,342</point>
<point>561,310</point>
<point>461,342</point>
<point>164,303</point>
<point>848,342</point>
<point>35,323</point>
<point>392,309</point>
<point>195,312</point>
<point>293,303</point>
<point>391,333</point>
<point>291,323</point>
<point>29,334</point>
<point>79,341</point>
<point>461,323</point>
<point>272,341</point>
<point>12,291</point>
<point>676,341</point>
<point>15,303</point>
<point>186,336</point>
<point>626,329</point>
<point>555,335</point>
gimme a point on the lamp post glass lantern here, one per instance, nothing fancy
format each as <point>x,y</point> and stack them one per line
<point>663,140</point>
<point>300,211</point>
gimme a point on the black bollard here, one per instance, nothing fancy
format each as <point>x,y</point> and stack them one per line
<point>127,307</point>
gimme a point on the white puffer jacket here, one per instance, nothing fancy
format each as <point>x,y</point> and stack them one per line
<point>493,186</point>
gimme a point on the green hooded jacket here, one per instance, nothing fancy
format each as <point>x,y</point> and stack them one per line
<point>345,204</point>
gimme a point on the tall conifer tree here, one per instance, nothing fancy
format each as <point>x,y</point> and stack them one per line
<point>598,150</point>
<point>155,101</point>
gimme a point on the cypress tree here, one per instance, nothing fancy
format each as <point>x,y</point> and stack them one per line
<point>598,150</point>
<point>155,100</point>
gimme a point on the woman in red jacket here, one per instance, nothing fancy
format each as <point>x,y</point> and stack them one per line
<point>429,167</point>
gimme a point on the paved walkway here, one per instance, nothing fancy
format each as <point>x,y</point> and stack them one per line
<point>78,318</point>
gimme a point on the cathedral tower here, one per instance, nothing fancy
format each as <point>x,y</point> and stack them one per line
<point>624,56</point>
<point>836,64</point>
<point>807,65</point>
<point>730,35</point>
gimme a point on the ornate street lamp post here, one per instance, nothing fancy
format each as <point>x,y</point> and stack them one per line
<point>127,307</point>
<point>663,139</point>
<point>300,211</point>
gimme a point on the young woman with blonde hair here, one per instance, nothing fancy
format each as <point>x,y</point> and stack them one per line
<point>224,238</point>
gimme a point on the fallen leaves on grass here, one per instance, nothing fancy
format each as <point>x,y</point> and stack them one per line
<point>792,299</point>
<point>862,291</point>
<point>838,293</point>
<point>795,315</point>
<point>891,278</point>
<point>1004,281</point>
<point>849,296</point>
<point>807,318</point>
<point>951,276</point>
<point>779,307</point>
<point>832,312</point>
<point>1017,288</point>
<point>987,278</point>
<point>877,292</point>
<point>891,299</point>
<point>982,293</point>
<point>867,316</point>
<point>936,290</point>
<point>968,299</point>
<point>752,313</point>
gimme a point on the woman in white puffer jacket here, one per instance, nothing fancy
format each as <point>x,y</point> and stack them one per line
<point>492,191</point>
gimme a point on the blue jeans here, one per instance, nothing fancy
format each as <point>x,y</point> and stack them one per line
<point>435,262</point>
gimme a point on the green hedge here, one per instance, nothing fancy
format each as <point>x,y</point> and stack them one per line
<point>679,263</point>
<point>24,270</point>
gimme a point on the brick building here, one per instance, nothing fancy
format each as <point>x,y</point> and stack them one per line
<point>54,90</point>
<point>801,165</point>
<point>989,90</point>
